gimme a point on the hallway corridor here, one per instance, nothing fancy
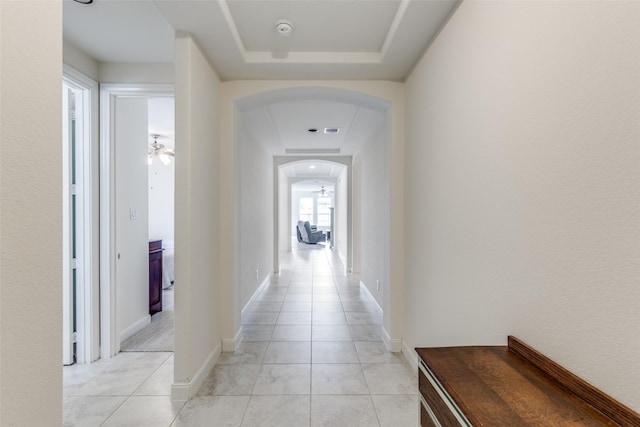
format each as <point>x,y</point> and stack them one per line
<point>312,355</point>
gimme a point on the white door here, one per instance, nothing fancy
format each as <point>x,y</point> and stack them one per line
<point>72,226</point>
<point>80,219</point>
<point>131,215</point>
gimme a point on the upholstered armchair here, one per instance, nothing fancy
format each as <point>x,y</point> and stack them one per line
<point>309,234</point>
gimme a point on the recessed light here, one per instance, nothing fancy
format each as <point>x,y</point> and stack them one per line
<point>284,27</point>
<point>312,167</point>
<point>331,130</point>
<point>312,130</point>
<point>84,1</point>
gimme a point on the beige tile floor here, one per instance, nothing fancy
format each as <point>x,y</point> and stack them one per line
<point>311,356</point>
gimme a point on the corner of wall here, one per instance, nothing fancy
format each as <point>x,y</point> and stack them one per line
<point>410,355</point>
<point>79,60</point>
<point>186,390</point>
<point>394,345</point>
<point>229,345</point>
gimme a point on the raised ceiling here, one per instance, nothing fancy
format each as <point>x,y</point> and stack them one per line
<point>281,120</point>
<point>331,39</point>
<point>284,127</point>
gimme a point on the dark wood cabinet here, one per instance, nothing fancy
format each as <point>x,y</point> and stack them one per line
<point>155,276</point>
<point>509,386</point>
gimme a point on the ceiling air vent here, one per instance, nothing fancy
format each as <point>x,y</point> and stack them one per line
<point>331,130</point>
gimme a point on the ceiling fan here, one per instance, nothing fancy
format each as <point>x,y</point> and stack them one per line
<point>160,151</point>
<point>323,192</point>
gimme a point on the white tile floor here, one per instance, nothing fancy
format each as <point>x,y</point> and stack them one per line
<point>311,356</point>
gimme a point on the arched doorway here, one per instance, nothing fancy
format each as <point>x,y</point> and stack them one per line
<point>334,171</point>
<point>254,116</point>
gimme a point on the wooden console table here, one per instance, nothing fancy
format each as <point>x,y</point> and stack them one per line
<point>511,386</point>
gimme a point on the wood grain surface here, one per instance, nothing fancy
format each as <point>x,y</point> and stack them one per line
<point>494,386</point>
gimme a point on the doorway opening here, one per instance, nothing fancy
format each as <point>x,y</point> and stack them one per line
<point>124,207</point>
<point>159,334</point>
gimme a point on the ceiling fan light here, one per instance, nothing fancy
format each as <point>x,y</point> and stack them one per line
<point>164,159</point>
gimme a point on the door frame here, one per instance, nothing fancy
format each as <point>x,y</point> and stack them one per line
<point>281,161</point>
<point>88,298</point>
<point>109,334</point>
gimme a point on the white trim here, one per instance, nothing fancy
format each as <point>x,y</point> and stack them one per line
<point>410,355</point>
<point>110,342</point>
<point>342,258</point>
<point>184,391</point>
<point>88,301</point>
<point>263,57</point>
<point>231,345</point>
<point>264,283</point>
<point>69,308</point>
<point>394,345</point>
<point>135,327</point>
<point>278,163</point>
<point>364,289</point>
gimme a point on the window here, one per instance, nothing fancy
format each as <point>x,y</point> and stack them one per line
<point>305,208</point>
<point>324,213</point>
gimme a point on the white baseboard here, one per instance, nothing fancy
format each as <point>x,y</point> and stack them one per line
<point>255,293</point>
<point>231,345</point>
<point>364,288</point>
<point>144,321</point>
<point>185,390</point>
<point>394,345</point>
<point>410,355</point>
<point>342,259</point>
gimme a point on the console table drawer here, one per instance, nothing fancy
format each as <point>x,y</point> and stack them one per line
<point>442,410</point>
<point>427,417</point>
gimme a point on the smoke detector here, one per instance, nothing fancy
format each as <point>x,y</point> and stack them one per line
<point>284,27</point>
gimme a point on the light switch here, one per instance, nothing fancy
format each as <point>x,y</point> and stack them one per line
<point>133,213</point>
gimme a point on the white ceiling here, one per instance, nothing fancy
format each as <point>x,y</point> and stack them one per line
<point>161,120</point>
<point>283,127</point>
<point>331,39</point>
<point>119,31</point>
<point>313,169</point>
<point>313,185</point>
<point>281,120</point>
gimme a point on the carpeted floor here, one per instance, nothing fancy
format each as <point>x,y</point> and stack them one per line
<point>159,334</point>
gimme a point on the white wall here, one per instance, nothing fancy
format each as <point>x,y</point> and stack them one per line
<point>132,234</point>
<point>161,201</point>
<point>80,61</point>
<point>284,222</point>
<point>109,72</point>
<point>341,216</point>
<point>374,218</point>
<point>31,213</point>
<point>197,233</point>
<point>255,214</point>
<point>522,203</point>
<point>356,206</point>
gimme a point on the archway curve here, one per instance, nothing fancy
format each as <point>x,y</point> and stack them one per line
<point>312,93</point>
